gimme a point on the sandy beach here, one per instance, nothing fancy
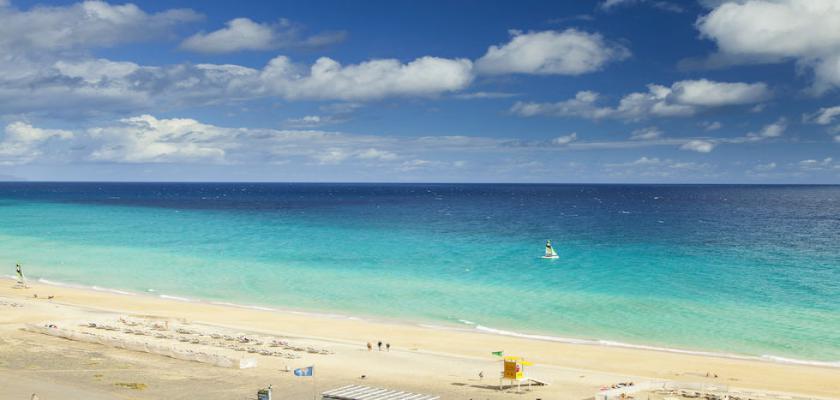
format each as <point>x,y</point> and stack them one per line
<point>421,359</point>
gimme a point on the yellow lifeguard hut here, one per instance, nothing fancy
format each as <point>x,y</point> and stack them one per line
<point>514,372</point>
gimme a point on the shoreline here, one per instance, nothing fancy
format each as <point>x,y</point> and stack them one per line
<point>476,328</point>
<point>422,358</point>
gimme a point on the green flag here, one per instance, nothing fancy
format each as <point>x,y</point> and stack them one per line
<point>498,353</point>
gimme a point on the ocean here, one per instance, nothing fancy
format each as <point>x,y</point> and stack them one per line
<point>749,271</point>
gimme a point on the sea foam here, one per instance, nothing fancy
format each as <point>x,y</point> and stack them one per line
<point>475,327</point>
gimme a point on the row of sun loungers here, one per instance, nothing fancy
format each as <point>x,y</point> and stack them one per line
<point>10,304</point>
<point>712,393</point>
<point>129,343</point>
<point>240,342</point>
<point>692,394</point>
<point>158,337</point>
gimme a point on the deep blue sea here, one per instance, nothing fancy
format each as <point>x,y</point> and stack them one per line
<point>745,270</point>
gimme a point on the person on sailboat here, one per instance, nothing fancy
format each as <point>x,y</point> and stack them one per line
<point>549,251</point>
<point>21,279</point>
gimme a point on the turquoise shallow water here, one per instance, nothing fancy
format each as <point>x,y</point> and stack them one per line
<point>746,270</point>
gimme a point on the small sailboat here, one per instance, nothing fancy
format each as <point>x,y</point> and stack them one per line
<point>549,251</point>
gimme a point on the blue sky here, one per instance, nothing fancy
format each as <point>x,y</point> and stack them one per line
<point>713,91</point>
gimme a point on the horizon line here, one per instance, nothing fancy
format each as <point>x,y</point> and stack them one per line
<point>434,183</point>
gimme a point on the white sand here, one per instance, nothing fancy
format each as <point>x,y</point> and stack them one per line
<point>421,359</point>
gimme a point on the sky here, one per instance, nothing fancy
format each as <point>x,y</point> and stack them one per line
<point>607,91</point>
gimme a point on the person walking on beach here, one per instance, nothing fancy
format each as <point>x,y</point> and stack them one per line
<point>387,346</point>
<point>370,346</point>
<point>379,345</point>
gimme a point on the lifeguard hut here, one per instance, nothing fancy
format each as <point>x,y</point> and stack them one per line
<point>514,373</point>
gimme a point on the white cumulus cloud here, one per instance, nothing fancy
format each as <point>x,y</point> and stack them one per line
<point>582,105</point>
<point>85,25</point>
<point>657,167</point>
<point>565,139</point>
<point>711,126</point>
<point>648,133</point>
<point>313,121</point>
<point>243,34</point>
<point>826,116</point>
<point>90,86</point>
<point>239,34</point>
<point>807,31</point>
<point>609,5</point>
<point>772,130</point>
<point>706,93</point>
<point>375,154</point>
<point>570,52</point>
<point>818,165</point>
<point>46,68</point>
<point>146,139</point>
<point>823,116</point>
<point>764,167</point>
<point>21,142</point>
<point>328,79</point>
<point>681,99</point>
<point>700,146</point>
<point>484,95</point>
